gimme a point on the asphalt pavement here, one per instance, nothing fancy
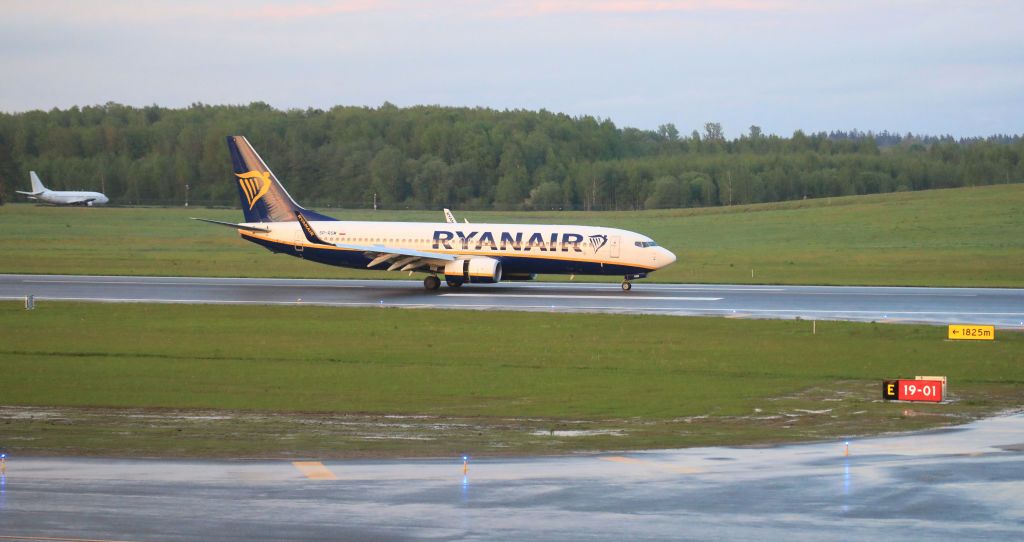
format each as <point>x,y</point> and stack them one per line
<point>964,483</point>
<point>1003,308</point>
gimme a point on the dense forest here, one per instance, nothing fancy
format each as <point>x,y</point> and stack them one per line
<point>473,158</point>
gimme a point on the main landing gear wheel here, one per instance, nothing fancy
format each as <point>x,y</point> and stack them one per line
<point>431,282</point>
<point>453,283</point>
<point>626,286</point>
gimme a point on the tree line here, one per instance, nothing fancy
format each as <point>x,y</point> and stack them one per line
<point>473,158</point>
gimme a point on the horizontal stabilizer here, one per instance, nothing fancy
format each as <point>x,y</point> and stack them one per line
<point>233,225</point>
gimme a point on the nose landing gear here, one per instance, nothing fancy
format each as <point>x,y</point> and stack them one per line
<point>626,285</point>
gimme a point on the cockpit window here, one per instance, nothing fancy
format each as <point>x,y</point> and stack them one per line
<point>645,244</point>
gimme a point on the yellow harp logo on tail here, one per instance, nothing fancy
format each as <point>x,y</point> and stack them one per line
<point>254,185</point>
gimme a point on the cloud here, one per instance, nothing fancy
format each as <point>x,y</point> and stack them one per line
<point>141,11</point>
<point>306,10</point>
<point>552,7</point>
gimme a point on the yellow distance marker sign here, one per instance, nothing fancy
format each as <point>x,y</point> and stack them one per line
<point>960,332</point>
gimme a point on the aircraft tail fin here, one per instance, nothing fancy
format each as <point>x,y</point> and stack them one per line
<point>263,197</point>
<point>37,185</point>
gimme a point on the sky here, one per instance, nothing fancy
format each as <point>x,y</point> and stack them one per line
<point>922,66</point>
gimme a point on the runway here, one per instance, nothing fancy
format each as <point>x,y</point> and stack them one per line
<point>963,483</point>
<point>1000,307</point>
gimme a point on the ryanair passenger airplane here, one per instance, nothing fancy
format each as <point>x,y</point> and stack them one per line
<point>462,253</point>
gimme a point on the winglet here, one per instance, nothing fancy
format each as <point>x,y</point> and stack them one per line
<point>309,232</point>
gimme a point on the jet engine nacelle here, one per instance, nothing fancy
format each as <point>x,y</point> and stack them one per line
<point>479,269</point>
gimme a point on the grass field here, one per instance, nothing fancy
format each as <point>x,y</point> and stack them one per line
<point>961,237</point>
<point>127,379</point>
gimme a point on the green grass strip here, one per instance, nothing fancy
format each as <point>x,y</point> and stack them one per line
<point>610,371</point>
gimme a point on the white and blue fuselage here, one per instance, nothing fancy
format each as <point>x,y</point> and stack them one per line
<point>461,253</point>
<point>521,249</point>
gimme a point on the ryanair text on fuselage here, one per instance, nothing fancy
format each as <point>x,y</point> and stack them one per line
<point>461,240</point>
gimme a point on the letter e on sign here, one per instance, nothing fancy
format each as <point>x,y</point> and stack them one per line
<point>889,390</point>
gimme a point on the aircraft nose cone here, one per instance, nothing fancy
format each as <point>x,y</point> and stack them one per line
<point>666,258</point>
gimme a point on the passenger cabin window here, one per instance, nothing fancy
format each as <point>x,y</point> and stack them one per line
<point>645,244</point>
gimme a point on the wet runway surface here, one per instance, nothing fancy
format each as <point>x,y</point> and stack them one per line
<point>964,483</point>
<point>1000,307</point>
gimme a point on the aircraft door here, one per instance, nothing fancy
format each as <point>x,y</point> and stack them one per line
<point>613,246</point>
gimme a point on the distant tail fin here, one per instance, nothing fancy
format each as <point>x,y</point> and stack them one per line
<point>37,185</point>
<point>262,196</point>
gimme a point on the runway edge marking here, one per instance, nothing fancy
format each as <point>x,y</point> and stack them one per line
<point>571,296</point>
<point>55,539</point>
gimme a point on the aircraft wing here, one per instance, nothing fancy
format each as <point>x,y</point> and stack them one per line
<point>402,259</point>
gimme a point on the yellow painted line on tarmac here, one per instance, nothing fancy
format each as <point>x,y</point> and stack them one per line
<point>314,470</point>
<point>56,539</point>
<point>738,315</point>
<point>661,466</point>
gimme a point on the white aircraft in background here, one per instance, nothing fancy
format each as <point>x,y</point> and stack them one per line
<point>462,253</point>
<point>61,197</point>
